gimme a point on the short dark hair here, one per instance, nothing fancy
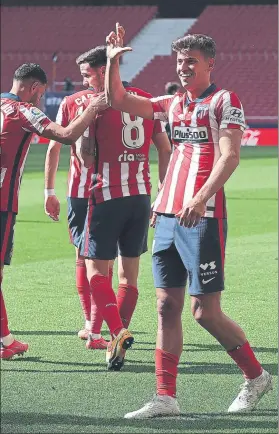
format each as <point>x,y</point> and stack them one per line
<point>30,70</point>
<point>95,57</point>
<point>200,42</point>
<point>171,87</point>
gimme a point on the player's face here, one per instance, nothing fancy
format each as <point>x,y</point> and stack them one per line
<point>92,77</point>
<point>37,90</point>
<point>193,68</point>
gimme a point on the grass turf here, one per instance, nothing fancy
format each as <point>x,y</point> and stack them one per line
<point>60,387</point>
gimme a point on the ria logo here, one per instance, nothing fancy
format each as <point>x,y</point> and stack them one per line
<point>126,158</point>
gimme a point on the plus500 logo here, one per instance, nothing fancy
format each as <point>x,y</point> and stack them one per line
<point>190,134</point>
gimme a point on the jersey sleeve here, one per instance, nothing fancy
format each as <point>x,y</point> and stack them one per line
<point>161,107</point>
<point>62,117</point>
<point>229,112</point>
<point>34,120</point>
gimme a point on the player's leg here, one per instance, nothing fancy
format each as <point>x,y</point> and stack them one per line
<point>207,244</point>
<point>170,279</point>
<point>9,346</point>
<point>132,244</point>
<point>84,293</point>
<point>127,295</point>
<point>99,246</point>
<point>77,210</point>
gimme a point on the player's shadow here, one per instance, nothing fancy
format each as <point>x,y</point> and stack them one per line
<point>130,366</point>
<point>194,423</point>
<point>216,347</point>
<point>60,333</point>
<point>32,221</point>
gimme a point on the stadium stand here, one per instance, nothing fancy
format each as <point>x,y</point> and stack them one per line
<point>247,57</point>
<point>38,32</point>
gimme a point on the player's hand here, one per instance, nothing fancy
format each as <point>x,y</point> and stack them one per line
<point>52,207</point>
<point>115,43</point>
<point>152,217</point>
<point>191,214</point>
<point>99,102</point>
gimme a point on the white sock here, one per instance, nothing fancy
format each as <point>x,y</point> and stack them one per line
<point>7,340</point>
<point>95,336</point>
<point>88,324</point>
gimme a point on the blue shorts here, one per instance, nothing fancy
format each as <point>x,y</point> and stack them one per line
<point>196,253</point>
<point>7,224</point>
<point>117,226</point>
<point>77,211</point>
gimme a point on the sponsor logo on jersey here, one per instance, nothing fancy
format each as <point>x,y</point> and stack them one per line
<point>202,111</point>
<point>37,113</point>
<point>236,116</point>
<point>126,157</point>
<point>190,134</point>
<point>7,109</point>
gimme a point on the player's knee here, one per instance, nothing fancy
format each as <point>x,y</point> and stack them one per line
<point>202,315</point>
<point>168,307</point>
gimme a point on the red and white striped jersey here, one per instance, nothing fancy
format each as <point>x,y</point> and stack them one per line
<point>195,129</point>
<point>19,120</point>
<point>79,176</point>
<point>122,153</point>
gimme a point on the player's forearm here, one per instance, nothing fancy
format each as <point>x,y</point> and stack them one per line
<point>163,162</point>
<point>51,164</point>
<point>74,130</point>
<point>114,89</point>
<point>221,172</point>
<point>85,149</point>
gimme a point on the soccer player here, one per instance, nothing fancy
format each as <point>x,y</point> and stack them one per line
<point>118,214</point>
<point>91,64</point>
<point>207,125</point>
<point>20,118</point>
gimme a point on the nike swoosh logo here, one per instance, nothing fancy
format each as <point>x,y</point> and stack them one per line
<point>206,281</point>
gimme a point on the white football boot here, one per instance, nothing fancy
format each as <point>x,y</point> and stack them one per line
<point>160,405</point>
<point>251,392</point>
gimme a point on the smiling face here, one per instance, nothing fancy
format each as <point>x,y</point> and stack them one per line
<point>92,77</point>
<point>193,69</point>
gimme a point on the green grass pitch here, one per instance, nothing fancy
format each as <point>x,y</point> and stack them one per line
<point>60,387</point>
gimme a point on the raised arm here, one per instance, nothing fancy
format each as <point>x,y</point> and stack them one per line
<point>52,204</point>
<point>116,95</point>
<point>74,130</point>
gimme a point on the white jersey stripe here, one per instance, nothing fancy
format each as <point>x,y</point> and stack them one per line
<point>83,179</point>
<point>175,174</point>
<point>124,179</point>
<point>105,188</point>
<point>161,192</point>
<point>72,172</point>
<point>192,175</point>
<point>140,180</point>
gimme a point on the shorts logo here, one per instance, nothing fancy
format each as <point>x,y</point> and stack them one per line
<point>207,281</point>
<point>205,266</point>
<point>190,134</point>
<point>209,270</point>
